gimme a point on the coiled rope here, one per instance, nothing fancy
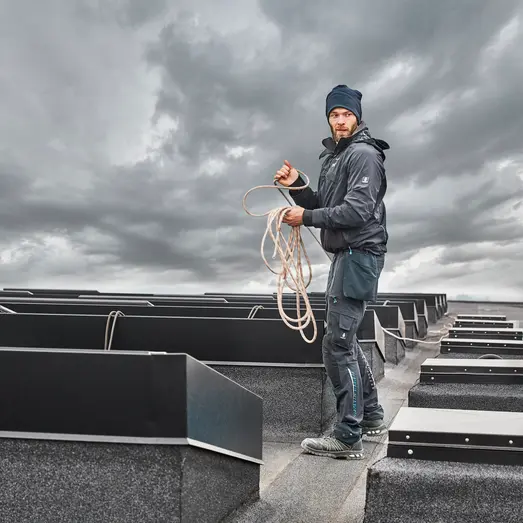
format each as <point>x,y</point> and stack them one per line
<point>291,252</point>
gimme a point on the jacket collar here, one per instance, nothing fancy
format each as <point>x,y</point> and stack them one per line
<point>361,134</point>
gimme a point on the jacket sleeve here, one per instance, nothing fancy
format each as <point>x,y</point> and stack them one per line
<point>306,198</point>
<point>366,170</point>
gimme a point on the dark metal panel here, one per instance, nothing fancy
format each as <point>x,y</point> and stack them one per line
<point>223,339</point>
<point>390,317</point>
<point>457,435</point>
<point>199,311</point>
<point>491,456</point>
<point>435,370</point>
<point>153,299</point>
<point>221,413</point>
<point>387,314</point>
<point>429,299</point>
<point>71,301</point>
<point>367,330</point>
<point>148,397</point>
<point>487,323</point>
<point>52,291</point>
<point>5,310</point>
<point>206,339</point>
<point>476,342</point>
<point>492,317</point>
<point>95,393</point>
<point>408,310</point>
<point>464,345</point>
<point>421,305</point>
<point>486,333</point>
<point>371,330</point>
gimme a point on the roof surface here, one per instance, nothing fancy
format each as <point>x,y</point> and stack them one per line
<point>301,488</point>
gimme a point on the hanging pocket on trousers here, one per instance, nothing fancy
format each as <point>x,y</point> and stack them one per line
<point>360,275</point>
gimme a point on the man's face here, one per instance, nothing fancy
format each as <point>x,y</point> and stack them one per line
<point>342,122</point>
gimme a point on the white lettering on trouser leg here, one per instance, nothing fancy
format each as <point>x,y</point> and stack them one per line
<point>354,390</point>
<point>369,371</point>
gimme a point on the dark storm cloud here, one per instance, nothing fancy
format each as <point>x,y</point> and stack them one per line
<point>242,87</point>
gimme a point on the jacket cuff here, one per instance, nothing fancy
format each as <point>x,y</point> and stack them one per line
<point>299,182</point>
<point>307,218</point>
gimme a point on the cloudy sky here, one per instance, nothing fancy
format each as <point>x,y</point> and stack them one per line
<point>131,130</point>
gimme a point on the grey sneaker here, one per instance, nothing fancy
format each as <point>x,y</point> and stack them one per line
<point>373,428</point>
<point>333,448</point>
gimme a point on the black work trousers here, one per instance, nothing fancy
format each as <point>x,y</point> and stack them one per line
<point>345,363</point>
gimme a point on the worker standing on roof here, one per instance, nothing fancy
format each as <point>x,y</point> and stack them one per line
<point>348,208</point>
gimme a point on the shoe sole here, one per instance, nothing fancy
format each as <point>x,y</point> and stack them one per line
<point>344,454</point>
<point>379,431</point>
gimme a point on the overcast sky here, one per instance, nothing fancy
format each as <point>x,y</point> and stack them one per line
<point>130,133</point>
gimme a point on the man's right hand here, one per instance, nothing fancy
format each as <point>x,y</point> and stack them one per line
<point>287,174</point>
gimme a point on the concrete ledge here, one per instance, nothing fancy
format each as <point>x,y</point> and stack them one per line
<point>423,326</point>
<point>297,402</point>
<point>371,338</point>
<point>467,396</point>
<point>433,314</point>
<point>394,348</point>
<point>404,491</point>
<point>66,481</point>
<point>411,332</point>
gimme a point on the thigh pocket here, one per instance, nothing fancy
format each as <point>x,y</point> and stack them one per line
<point>342,329</point>
<point>360,276</point>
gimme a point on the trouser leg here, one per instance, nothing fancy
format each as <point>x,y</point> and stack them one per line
<point>340,356</point>
<point>372,410</point>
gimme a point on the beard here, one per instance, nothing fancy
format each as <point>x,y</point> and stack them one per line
<point>344,132</point>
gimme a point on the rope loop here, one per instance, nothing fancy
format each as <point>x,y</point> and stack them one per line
<point>291,252</point>
<point>109,341</point>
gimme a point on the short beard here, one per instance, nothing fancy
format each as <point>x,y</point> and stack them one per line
<point>350,131</point>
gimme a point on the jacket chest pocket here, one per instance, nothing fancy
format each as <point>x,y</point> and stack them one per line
<point>330,181</point>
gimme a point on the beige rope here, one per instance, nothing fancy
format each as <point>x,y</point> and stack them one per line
<point>290,251</point>
<point>254,310</point>
<point>109,341</point>
<point>444,330</point>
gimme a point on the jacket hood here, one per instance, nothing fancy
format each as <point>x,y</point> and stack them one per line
<point>361,135</point>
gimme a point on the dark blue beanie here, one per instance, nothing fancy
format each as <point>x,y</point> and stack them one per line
<point>343,96</point>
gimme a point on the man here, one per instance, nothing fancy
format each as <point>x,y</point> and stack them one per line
<point>348,208</point>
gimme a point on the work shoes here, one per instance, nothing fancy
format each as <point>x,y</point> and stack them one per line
<point>373,428</point>
<point>333,448</point>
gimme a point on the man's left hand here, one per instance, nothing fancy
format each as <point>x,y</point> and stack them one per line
<point>294,216</point>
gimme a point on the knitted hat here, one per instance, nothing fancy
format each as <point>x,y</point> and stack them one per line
<point>343,96</point>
